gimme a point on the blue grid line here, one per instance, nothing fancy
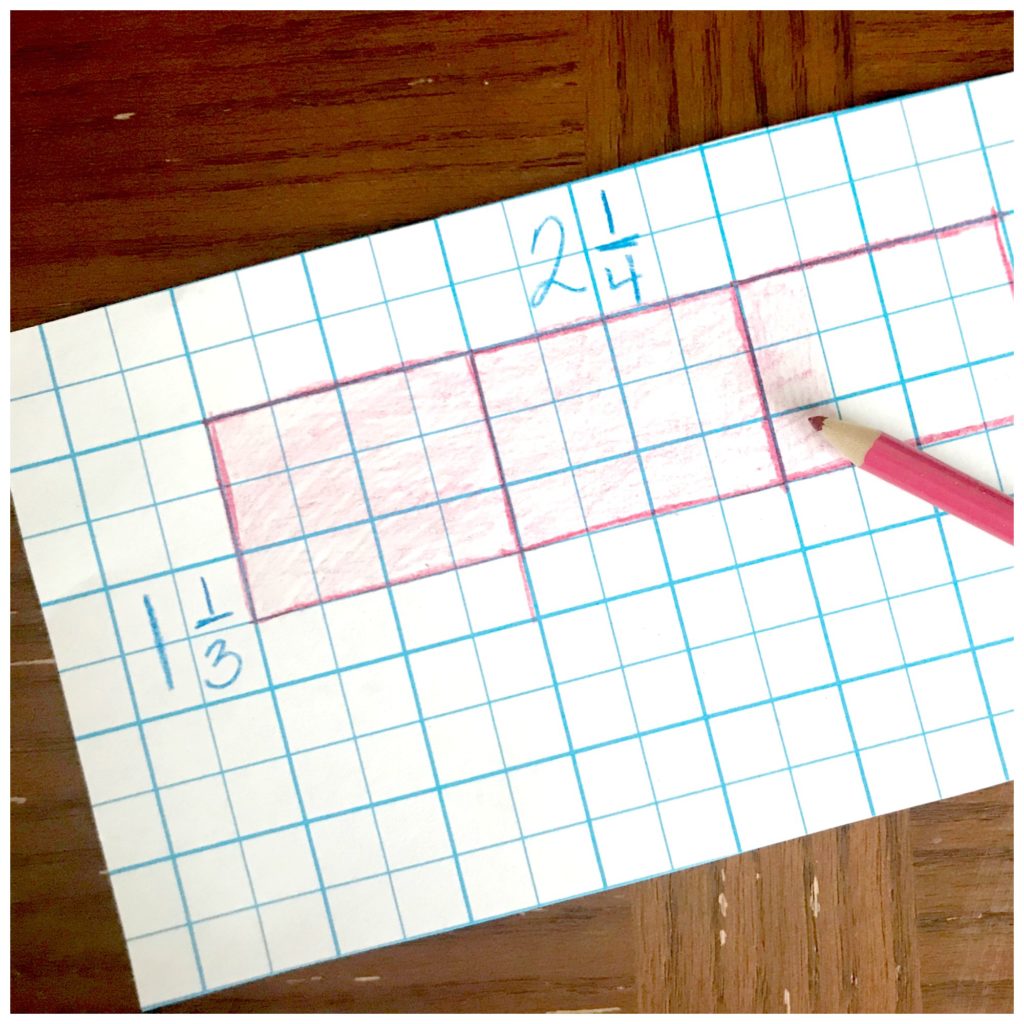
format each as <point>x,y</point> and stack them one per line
<point>773,444</point>
<point>949,291</point>
<point>527,572</point>
<point>585,748</point>
<point>575,679</point>
<point>280,718</point>
<point>195,666</point>
<point>587,604</point>
<point>657,526</point>
<point>600,579</point>
<point>352,811</point>
<point>131,691</point>
<point>988,166</point>
<point>328,385</point>
<point>398,625</point>
<point>456,852</point>
<point>263,655</point>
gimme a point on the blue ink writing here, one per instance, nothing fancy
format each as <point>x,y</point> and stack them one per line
<point>223,656</point>
<point>208,620</point>
<point>158,641</point>
<point>540,293</point>
<point>632,276</point>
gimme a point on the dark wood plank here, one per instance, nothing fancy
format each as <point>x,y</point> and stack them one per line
<point>255,135</point>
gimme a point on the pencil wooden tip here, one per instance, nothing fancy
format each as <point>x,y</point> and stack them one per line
<point>816,421</point>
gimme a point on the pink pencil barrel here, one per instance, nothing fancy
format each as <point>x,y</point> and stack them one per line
<point>947,488</point>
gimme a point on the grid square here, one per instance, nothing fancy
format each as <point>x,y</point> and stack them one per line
<point>595,426</point>
<point>900,775</point>
<point>196,529</point>
<point>498,881</point>
<point>893,206</point>
<point>725,392</point>
<point>246,730</point>
<point>280,864</point>
<point>693,258</point>
<point>98,697</point>
<point>413,831</point>
<point>678,474</point>
<point>795,657</point>
<point>612,492</point>
<point>882,708</point>
<point>808,155</point>
<point>698,828</point>
<point>512,377</point>
<point>477,242</point>
<point>547,509</point>
<point>875,139</point>
<point>343,276</point>
<point>397,477</point>
<point>229,377</point>
<point>709,326</point>
<point>130,831</point>
<point>462,460</point>
<point>263,511</point>
<point>413,544</point>
<point>276,294</point>
<point>766,810</point>
<point>348,847</point>
<point>211,311</point>
<point>578,360</point>
<point>164,966</point>
<point>560,291</point>
<point>547,795</point>
<point>748,743</point>
<point>97,412</point>
<point>146,555</point>
<point>265,570</point>
<point>794,374</point>
<point>379,410</point>
<point>973,259</point>
<point>479,527</point>
<point>760,524</point>
<point>360,342</point>
<point>481,813</point>
<point>581,643</point>
<point>760,240</point>
<point>514,660</point>
<point>813,726</point>
<point>495,310</point>
<point>564,575</point>
<point>846,574</point>
<point>396,762</point>
<point>713,608</point>
<point>911,275</point>
<point>328,494</point>
<point>447,678</point>
<point>81,347</point>
<point>940,123</point>
<point>680,761</point>
<point>645,343</point>
<point>365,914</point>
<point>427,326</point>
<point>409,259</point>
<point>597,709</point>
<point>831,793</point>
<point>148,899</point>
<point>114,765</point>
<point>297,932</point>
<point>632,846</point>
<point>198,814</point>
<point>263,797</point>
<point>661,408</point>
<point>743,172</point>
<point>63,563</point>
<point>162,396</point>
<point>48,496</point>
<point>37,430</point>
<point>431,610</point>
<point>846,632</point>
<point>778,591</point>
<point>957,188</point>
<point>843,292</point>
<point>912,557</point>
<point>646,625</point>
<point>947,691</point>
<point>464,745</point>
<point>966,758</point>
<point>496,593</point>
<point>379,696</point>
<point>860,356</point>
<point>293,360</point>
<point>215,881</point>
<point>530,442</point>
<point>662,691</point>
<point>777,308</point>
<point>730,674</point>
<point>696,540</point>
<point>930,623</point>
<point>614,777</point>
<point>180,747</point>
<point>297,645</point>
<point>629,558</point>
<point>231,949</point>
<point>80,631</point>
<point>30,371</point>
<point>530,727</point>
<point>992,102</point>
<point>825,222</point>
<point>430,898</point>
<point>563,863</point>
<point>742,458</point>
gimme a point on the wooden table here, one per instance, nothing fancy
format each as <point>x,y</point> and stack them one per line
<point>152,149</point>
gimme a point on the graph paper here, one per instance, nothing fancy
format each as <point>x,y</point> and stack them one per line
<point>491,561</point>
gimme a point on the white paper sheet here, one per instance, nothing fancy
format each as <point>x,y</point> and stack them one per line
<point>487,562</point>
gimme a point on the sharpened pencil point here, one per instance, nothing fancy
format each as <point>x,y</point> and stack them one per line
<point>816,421</point>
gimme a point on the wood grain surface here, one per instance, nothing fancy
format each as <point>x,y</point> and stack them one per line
<point>257,135</point>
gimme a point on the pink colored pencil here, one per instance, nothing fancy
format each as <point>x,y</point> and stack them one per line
<point>918,473</point>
